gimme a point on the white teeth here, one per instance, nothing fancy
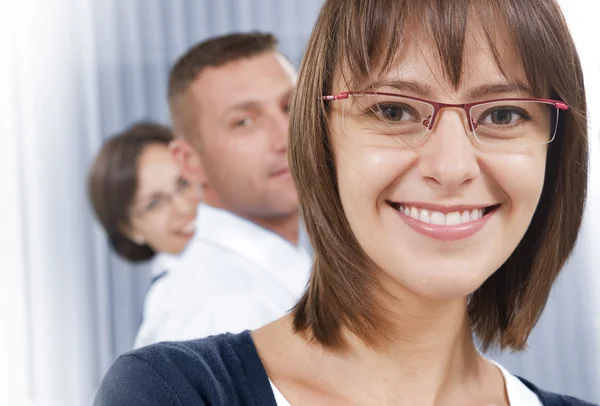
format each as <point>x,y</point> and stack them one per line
<point>424,216</point>
<point>189,228</point>
<point>441,219</point>
<point>438,218</point>
<point>474,214</point>
<point>466,217</point>
<point>453,218</point>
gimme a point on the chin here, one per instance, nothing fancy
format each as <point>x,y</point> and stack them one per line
<point>287,210</point>
<point>176,249</point>
<point>446,292</point>
<point>442,283</point>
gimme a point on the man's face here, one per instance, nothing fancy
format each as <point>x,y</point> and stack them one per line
<point>241,134</point>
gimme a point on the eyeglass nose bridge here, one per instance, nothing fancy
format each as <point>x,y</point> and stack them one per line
<point>177,194</point>
<point>430,121</point>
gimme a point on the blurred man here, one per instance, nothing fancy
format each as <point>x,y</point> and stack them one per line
<point>229,99</point>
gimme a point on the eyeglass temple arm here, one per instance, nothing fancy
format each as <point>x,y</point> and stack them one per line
<point>339,96</point>
<point>561,105</point>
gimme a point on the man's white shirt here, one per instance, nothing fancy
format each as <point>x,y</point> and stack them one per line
<point>234,275</point>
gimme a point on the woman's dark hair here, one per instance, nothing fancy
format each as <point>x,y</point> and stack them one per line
<point>113,181</point>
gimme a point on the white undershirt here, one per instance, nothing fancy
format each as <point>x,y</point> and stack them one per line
<point>518,393</point>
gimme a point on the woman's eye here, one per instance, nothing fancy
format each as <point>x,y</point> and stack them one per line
<point>153,204</point>
<point>394,113</point>
<point>502,117</point>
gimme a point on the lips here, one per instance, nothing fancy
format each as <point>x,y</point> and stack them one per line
<point>445,223</point>
<point>280,172</point>
<point>188,229</point>
<point>444,217</point>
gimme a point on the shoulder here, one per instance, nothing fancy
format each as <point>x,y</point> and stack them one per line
<point>204,257</point>
<point>217,370</point>
<point>204,272</point>
<point>133,380</point>
<point>181,309</point>
<point>554,399</point>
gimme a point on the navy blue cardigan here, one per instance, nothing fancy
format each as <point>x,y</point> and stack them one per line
<point>219,370</point>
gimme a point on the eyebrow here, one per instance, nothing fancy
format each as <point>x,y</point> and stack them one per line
<point>425,91</point>
<point>144,198</point>
<point>241,106</point>
<point>254,104</point>
<point>480,92</point>
<point>420,89</point>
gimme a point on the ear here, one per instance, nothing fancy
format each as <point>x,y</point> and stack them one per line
<point>188,160</point>
<point>133,235</point>
<point>139,240</point>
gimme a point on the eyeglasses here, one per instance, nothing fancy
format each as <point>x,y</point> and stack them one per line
<point>506,124</point>
<point>163,202</point>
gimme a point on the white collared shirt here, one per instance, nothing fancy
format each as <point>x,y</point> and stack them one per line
<point>161,264</point>
<point>234,275</point>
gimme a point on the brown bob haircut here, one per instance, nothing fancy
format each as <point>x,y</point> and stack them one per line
<point>214,52</point>
<point>352,34</point>
<point>113,181</point>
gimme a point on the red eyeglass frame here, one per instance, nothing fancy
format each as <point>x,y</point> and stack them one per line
<point>437,106</point>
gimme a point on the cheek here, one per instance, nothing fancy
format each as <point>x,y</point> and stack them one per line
<point>249,144</point>
<point>364,174</point>
<point>521,176</point>
<point>155,230</point>
<point>240,158</point>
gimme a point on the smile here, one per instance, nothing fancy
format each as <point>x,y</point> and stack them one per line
<point>443,219</point>
<point>445,223</point>
<point>188,229</point>
<point>284,172</point>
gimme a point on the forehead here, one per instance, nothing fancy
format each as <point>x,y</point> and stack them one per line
<point>261,78</point>
<point>419,58</point>
<point>156,169</point>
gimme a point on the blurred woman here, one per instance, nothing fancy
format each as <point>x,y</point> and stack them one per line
<point>140,198</point>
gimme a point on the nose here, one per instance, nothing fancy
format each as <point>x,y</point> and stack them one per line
<point>278,130</point>
<point>448,158</point>
<point>182,205</point>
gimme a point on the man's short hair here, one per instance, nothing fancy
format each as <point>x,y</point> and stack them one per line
<point>214,52</point>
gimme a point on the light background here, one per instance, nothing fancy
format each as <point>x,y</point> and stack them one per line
<point>73,72</point>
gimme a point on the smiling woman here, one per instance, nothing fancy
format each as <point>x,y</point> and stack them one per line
<point>139,196</point>
<point>500,113</point>
<point>440,154</point>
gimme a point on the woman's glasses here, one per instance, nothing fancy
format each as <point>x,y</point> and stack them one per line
<point>162,202</point>
<point>505,124</point>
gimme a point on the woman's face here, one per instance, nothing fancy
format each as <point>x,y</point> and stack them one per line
<point>163,211</point>
<point>441,217</point>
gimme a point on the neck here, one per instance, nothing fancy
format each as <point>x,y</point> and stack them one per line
<point>210,197</point>
<point>434,339</point>
<point>428,358</point>
<point>286,226</point>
